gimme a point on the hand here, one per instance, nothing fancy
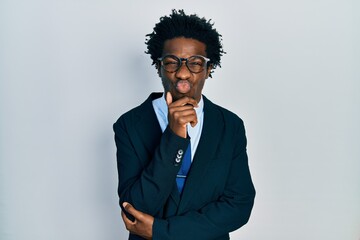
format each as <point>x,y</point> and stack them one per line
<point>181,112</point>
<point>142,225</point>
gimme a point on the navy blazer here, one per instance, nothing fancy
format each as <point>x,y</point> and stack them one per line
<point>218,194</point>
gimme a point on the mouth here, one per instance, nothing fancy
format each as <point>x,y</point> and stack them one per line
<point>183,86</point>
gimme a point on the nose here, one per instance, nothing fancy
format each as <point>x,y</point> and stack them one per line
<point>183,72</point>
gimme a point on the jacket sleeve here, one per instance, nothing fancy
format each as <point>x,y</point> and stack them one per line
<point>228,213</point>
<point>146,183</point>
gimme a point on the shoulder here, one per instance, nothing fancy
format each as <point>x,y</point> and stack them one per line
<point>228,116</point>
<point>133,115</point>
<point>231,125</point>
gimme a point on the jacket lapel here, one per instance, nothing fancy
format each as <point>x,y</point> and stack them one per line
<point>205,152</point>
<point>147,125</point>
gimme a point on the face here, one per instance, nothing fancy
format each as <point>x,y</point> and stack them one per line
<point>183,82</point>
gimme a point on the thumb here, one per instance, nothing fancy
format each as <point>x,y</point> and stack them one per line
<point>168,98</point>
<point>130,209</point>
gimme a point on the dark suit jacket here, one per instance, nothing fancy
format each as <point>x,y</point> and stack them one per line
<point>218,194</point>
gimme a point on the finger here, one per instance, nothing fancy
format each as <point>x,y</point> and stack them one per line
<point>128,223</point>
<point>179,114</point>
<point>130,209</point>
<point>126,219</point>
<point>185,100</point>
<point>168,98</point>
<point>183,120</point>
<point>173,109</point>
<point>193,123</point>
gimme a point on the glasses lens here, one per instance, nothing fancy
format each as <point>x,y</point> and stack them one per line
<point>196,64</point>
<point>170,63</point>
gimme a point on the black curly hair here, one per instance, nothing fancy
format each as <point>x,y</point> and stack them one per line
<point>178,24</point>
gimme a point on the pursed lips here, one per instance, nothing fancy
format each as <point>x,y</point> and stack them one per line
<point>183,86</point>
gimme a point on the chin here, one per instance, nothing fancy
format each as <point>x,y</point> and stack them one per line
<point>177,96</point>
<point>181,95</point>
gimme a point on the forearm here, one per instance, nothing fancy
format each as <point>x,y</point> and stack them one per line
<point>213,221</point>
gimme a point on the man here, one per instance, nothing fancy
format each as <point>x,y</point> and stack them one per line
<point>182,162</point>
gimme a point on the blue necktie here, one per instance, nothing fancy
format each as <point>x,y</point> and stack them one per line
<point>185,166</point>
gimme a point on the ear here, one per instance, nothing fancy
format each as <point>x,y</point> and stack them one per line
<point>158,68</point>
<point>208,70</point>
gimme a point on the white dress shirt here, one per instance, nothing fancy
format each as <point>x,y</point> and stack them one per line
<point>161,110</point>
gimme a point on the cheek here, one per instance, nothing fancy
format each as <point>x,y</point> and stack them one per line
<point>166,76</point>
<point>200,84</point>
<point>166,82</point>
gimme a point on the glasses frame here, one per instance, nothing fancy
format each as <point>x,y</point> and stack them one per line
<point>180,60</point>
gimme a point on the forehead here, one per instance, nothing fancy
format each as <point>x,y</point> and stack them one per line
<point>184,47</point>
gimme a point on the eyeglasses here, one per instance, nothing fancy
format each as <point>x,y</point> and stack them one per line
<point>172,63</point>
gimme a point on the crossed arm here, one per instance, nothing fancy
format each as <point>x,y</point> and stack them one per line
<point>216,219</point>
<point>229,212</point>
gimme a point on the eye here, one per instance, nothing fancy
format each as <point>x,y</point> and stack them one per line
<point>170,61</point>
<point>195,63</point>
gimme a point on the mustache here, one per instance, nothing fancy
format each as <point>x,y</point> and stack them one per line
<point>178,81</point>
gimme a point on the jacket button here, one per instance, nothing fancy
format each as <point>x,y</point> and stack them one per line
<point>177,160</point>
<point>180,152</point>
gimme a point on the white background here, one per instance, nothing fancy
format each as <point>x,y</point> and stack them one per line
<point>69,69</point>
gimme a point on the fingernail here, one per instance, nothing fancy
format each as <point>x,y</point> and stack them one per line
<point>125,204</point>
